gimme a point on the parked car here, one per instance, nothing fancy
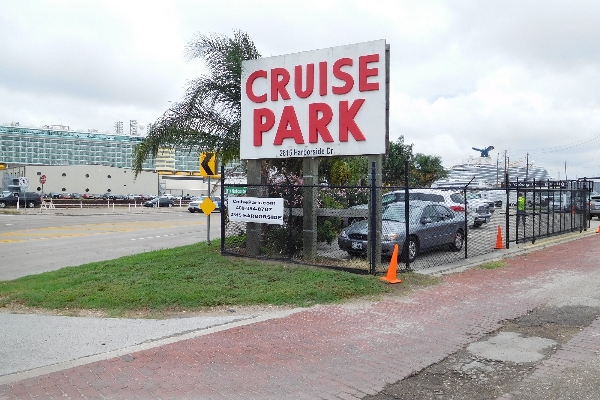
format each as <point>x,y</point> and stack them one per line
<point>29,199</point>
<point>476,198</point>
<point>159,202</point>
<point>431,225</point>
<point>87,196</point>
<point>194,205</point>
<point>478,213</point>
<point>566,202</point>
<point>594,206</point>
<point>76,196</point>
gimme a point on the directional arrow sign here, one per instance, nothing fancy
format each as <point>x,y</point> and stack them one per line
<point>207,164</point>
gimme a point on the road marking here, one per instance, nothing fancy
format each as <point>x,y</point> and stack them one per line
<point>59,232</point>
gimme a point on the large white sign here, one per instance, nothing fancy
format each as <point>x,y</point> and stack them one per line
<point>319,103</point>
<point>255,209</point>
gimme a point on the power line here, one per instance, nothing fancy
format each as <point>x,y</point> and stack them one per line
<point>567,146</point>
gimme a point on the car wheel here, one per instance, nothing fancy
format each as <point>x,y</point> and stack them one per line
<point>192,211</point>
<point>2,204</point>
<point>411,251</point>
<point>170,205</point>
<point>459,239</point>
<point>30,204</point>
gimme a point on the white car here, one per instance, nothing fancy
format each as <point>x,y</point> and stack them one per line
<point>194,205</point>
<point>478,212</point>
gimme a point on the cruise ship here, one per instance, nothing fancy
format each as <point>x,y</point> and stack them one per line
<point>483,173</point>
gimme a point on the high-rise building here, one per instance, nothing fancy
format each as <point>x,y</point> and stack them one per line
<point>58,145</point>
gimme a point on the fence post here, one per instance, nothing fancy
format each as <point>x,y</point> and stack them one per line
<point>507,210</point>
<point>222,210</point>
<point>373,216</point>
<point>466,221</point>
<point>406,216</point>
<point>533,214</point>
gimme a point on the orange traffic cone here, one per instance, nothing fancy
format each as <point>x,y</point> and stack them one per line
<point>391,274</point>
<point>499,242</point>
<point>598,231</point>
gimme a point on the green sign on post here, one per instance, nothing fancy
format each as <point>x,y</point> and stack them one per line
<point>235,190</point>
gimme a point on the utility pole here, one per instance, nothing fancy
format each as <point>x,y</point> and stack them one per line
<point>527,167</point>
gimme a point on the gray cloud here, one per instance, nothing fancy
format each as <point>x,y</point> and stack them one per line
<point>522,76</point>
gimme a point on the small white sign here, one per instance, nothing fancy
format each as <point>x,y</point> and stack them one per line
<point>255,209</point>
<point>23,182</point>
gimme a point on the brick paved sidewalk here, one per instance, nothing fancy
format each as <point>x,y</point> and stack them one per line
<point>331,352</point>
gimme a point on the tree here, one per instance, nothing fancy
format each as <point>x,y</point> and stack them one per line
<point>393,162</point>
<point>208,117</point>
<point>426,170</point>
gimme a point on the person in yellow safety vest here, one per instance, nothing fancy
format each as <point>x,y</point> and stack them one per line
<point>521,208</point>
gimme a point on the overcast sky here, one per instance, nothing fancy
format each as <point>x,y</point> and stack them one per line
<point>522,76</point>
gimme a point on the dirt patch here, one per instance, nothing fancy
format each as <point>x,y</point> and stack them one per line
<point>152,314</point>
<point>464,375</point>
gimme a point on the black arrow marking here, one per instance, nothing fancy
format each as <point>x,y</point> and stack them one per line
<point>205,162</point>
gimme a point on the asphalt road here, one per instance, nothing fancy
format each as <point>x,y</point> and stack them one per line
<point>39,241</point>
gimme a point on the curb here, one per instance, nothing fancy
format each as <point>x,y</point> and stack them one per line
<point>498,255</point>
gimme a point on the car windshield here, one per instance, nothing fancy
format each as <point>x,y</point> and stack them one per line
<point>395,212</point>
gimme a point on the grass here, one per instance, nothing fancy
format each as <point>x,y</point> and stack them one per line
<point>492,265</point>
<point>191,278</point>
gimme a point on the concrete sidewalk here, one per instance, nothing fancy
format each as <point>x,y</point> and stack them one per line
<point>344,351</point>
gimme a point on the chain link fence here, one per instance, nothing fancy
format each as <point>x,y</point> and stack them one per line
<point>444,225</point>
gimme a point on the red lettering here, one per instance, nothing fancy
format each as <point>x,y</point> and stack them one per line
<point>364,73</point>
<point>310,80</point>
<point>323,78</point>
<point>347,123</point>
<point>343,76</point>
<point>249,92</point>
<point>262,125</point>
<point>278,85</point>
<point>288,118</point>
<point>318,125</point>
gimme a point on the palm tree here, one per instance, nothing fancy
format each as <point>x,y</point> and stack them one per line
<point>208,117</point>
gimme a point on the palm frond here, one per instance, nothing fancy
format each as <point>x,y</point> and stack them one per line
<point>208,117</point>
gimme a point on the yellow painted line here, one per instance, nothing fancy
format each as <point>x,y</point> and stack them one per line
<point>66,231</point>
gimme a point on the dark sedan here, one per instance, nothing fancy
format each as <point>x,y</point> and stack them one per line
<point>431,225</point>
<point>159,202</point>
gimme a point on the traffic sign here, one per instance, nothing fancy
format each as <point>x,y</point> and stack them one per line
<point>208,164</point>
<point>23,182</point>
<point>208,206</point>
<point>43,179</point>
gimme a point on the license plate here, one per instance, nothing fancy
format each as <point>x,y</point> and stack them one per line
<point>357,245</point>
